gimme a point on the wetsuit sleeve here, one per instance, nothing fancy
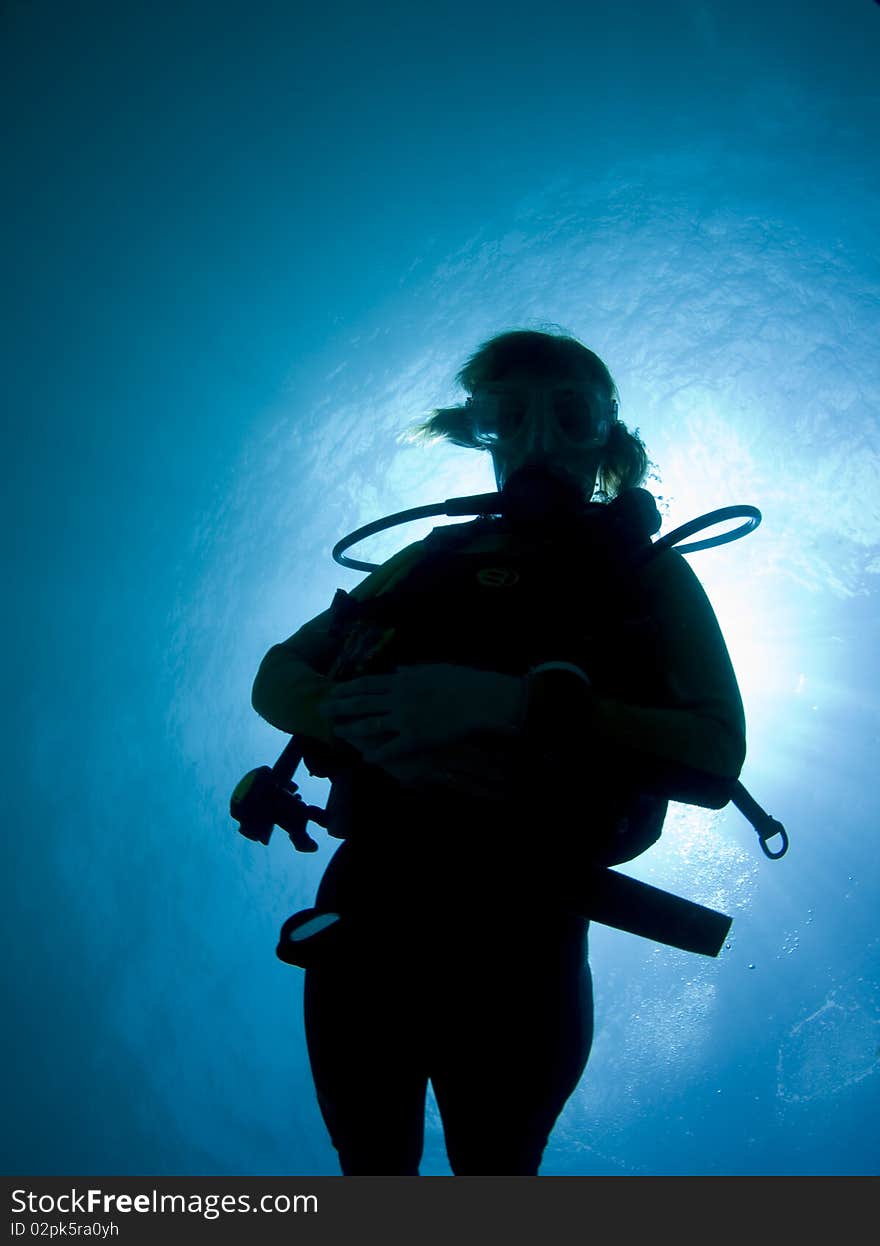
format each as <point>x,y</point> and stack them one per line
<point>688,743</point>
<point>290,684</point>
<point>292,679</point>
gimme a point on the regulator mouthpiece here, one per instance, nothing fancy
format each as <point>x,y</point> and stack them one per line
<point>538,496</point>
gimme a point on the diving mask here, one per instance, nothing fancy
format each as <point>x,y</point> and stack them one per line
<point>575,416</point>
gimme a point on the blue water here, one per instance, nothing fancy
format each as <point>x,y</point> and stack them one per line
<point>245,245</point>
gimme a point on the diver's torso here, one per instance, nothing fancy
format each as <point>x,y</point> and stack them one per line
<point>490,599</point>
<point>503,602</point>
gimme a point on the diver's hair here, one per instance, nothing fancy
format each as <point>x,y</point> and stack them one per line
<point>624,461</point>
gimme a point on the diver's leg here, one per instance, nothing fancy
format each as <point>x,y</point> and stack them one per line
<point>365,1059</point>
<point>519,1037</point>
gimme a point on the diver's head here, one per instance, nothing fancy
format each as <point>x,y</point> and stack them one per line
<point>541,401</point>
<point>545,402</point>
<point>559,423</point>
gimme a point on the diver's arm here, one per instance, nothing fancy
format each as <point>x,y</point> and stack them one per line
<point>292,680</point>
<point>689,744</point>
<point>289,686</point>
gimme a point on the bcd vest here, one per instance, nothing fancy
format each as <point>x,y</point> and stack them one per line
<point>563,594</point>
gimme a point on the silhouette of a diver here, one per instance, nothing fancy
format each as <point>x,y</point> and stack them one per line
<point>497,705</point>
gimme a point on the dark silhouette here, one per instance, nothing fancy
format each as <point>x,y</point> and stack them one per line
<point>500,707</point>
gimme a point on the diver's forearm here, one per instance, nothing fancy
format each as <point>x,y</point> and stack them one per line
<point>700,739</point>
<point>682,753</point>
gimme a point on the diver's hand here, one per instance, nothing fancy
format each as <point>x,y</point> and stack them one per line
<point>417,708</point>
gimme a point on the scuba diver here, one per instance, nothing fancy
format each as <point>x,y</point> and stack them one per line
<point>500,707</point>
